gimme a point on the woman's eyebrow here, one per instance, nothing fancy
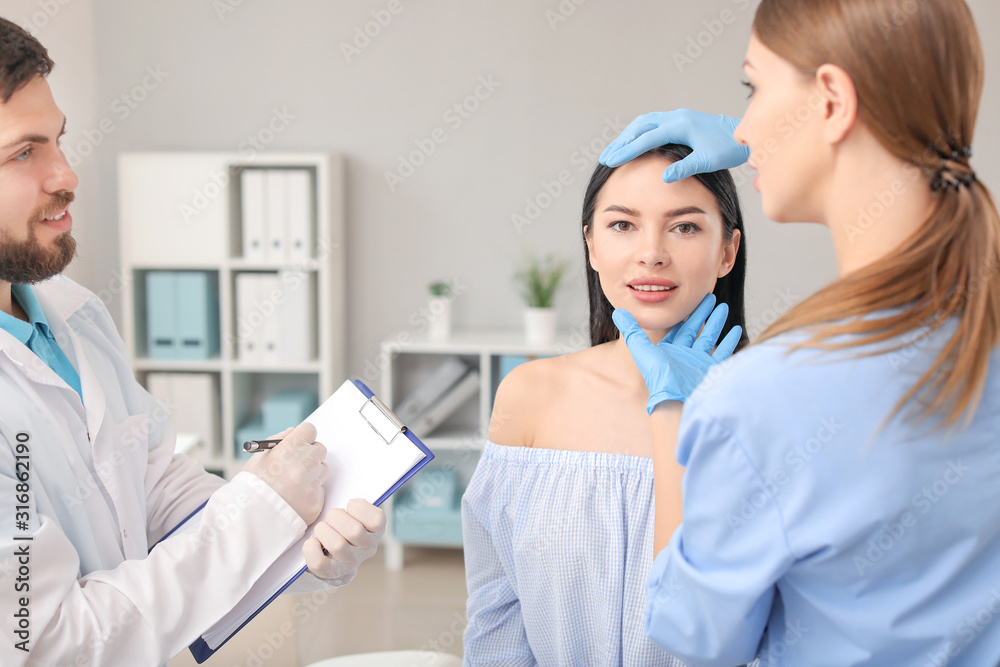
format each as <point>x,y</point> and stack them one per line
<point>617,208</point>
<point>676,213</point>
<point>684,210</point>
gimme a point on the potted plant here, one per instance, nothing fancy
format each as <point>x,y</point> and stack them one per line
<point>439,311</point>
<point>539,280</point>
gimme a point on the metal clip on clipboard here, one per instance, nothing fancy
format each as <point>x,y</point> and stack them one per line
<point>381,420</point>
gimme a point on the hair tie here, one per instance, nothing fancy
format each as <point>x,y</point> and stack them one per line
<point>948,177</point>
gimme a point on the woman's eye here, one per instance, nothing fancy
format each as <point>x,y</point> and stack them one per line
<point>621,226</point>
<point>24,155</point>
<point>750,87</point>
<point>686,228</point>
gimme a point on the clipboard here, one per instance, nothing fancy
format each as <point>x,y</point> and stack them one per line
<point>390,456</point>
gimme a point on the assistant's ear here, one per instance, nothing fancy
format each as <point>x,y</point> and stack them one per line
<point>729,252</point>
<point>839,101</point>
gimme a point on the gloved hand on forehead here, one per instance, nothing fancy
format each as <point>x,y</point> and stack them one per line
<point>709,136</point>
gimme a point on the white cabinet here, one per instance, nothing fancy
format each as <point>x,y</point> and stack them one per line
<point>182,212</point>
<point>407,361</point>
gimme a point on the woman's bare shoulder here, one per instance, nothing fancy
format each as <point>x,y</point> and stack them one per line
<point>527,392</point>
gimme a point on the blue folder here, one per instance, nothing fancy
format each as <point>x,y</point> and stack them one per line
<point>200,649</point>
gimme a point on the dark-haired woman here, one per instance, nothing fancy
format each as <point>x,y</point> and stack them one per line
<point>841,503</point>
<point>558,517</point>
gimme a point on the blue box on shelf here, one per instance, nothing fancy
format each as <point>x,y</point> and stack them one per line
<point>288,408</point>
<point>430,512</point>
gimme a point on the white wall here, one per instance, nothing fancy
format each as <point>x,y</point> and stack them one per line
<point>559,86</point>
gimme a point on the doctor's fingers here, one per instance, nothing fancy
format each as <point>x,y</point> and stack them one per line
<point>349,528</point>
<point>338,548</point>
<point>372,517</point>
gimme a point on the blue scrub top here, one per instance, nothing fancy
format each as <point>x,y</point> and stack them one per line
<point>36,335</point>
<point>812,538</point>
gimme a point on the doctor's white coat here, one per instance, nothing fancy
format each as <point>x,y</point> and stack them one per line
<point>102,485</point>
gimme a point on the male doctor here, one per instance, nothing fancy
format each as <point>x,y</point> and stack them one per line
<point>88,477</point>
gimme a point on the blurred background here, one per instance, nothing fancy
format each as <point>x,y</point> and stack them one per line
<point>468,132</point>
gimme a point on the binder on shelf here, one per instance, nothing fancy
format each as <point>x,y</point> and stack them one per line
<point>161,334</point>
<point>370,454</point>
<point>299,233</point>
<point>269,332</point>
<point>253,204</point>
<point>182,315</point>
<point>191,400</point>
<point>431,389</point>
<point>296,315</point>
<point>197,314</point>
<point>247,319</point>
<point>458,394</point>
<point>277,215</point>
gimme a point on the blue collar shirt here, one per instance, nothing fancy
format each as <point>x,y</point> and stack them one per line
<point>37,336</point>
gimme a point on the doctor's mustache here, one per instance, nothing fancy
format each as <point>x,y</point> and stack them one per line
<point>60,200</point>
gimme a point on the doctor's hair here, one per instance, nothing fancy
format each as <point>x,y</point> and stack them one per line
<point>917,68</point>
<point>22,58</point>
<point>728,289</point>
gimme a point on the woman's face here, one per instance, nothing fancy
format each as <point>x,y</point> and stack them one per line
<point>658,248</point>
<point>782,128</point>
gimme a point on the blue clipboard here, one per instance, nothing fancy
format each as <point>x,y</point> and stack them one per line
<point>200,648</point>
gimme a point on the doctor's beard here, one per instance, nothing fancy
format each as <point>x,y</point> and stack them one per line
<point>28,262</point>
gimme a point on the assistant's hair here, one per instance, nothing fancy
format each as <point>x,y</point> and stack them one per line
<point>918,71</point>
<point>22,58</point>
<point>728,289</point>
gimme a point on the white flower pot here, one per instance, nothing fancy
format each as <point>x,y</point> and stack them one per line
<point>439,312</point>
<point>540,325</point>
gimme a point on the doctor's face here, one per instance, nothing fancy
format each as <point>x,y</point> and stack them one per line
<point>36,187</point>
<point>783,130</point>
<point>657,248</point>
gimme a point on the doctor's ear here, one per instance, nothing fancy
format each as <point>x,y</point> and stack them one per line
<point>839,99</point>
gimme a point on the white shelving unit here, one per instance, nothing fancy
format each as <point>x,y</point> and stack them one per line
<point>458,442</point>
<point>181,211</point>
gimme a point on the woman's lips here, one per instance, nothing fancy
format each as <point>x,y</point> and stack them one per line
<point>652,292</point>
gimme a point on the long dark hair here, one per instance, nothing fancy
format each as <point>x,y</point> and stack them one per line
<point>728,289</point>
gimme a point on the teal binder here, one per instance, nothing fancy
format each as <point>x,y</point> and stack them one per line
<point>161,334</point>
<point>197,307</point>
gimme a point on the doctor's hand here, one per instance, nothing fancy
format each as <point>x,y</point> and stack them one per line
<point>344,540</point>
<point>709,136</point>
<point>295,468</point>
<point>673,367</point>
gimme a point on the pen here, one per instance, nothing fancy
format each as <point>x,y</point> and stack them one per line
<point>252,446</point>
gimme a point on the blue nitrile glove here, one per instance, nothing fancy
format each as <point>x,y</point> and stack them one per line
<point>709,136</point>
<point>673,367</point>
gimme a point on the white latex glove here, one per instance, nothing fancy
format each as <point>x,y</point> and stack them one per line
<point>295,469</point>
<point>344,540</point>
